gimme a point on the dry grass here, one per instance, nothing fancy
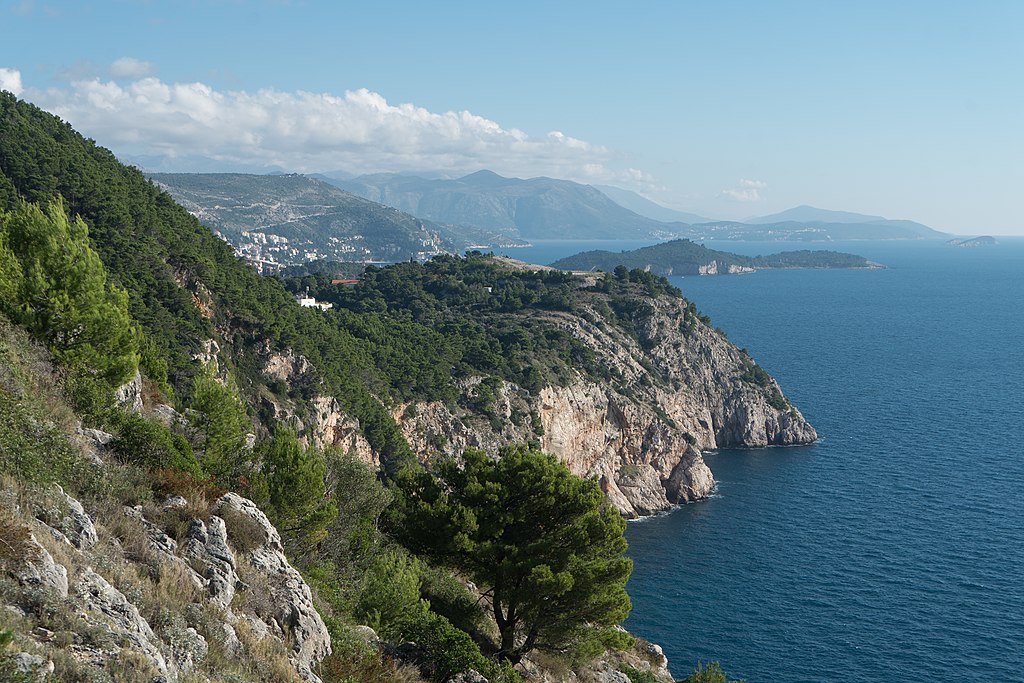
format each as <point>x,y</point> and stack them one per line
<point>200,494</point>
<point>257,597</point>
<point>368,667</point>
<point>27,373</point>
<point>244,533</point>
<point>16,545</point>
<point>267,658</point>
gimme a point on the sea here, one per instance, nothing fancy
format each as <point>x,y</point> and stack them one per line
<point>893,548</point>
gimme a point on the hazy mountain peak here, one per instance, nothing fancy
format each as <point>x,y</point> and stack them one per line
<point>805,213</point>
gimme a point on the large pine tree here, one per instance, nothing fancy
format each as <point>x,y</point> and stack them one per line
<point>57,288</point>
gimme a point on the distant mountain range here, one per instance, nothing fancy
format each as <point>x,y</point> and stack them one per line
<point>546,208</point>
<point>534,209</point>
<point>645,207</point>
<point>288,219</point>
<point>808,214</point>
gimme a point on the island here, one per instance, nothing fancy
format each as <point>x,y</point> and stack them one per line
<point>685,257</point>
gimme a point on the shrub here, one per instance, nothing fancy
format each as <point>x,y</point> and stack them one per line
<point>151,445</point>
<point>708,673</point>
<point>391,593</point>
<point>15,539</point>
<point>451,599</point>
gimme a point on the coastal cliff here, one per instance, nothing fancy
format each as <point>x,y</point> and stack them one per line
<point>659,387</point>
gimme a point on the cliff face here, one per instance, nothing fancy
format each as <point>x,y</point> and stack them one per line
<point>675,388</point>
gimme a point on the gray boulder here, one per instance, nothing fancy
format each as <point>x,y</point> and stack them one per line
<point>130,395</point>
<point>34,665</point>
<point>206,549</point>
<point>69,517</point>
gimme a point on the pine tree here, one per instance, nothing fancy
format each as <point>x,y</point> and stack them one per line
<point>58,290</point>
<point>545,543</point>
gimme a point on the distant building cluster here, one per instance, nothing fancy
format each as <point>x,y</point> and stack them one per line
<point>269,253</point>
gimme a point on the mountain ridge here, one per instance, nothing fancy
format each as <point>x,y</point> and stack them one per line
<point>546,208</point>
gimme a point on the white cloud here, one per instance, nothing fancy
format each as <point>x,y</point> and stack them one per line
<point>745,191</point>
<point>129,67</point>
<point>185,126</point>
<point>10,80</point>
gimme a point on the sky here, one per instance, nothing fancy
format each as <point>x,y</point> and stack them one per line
<point>730,109</point>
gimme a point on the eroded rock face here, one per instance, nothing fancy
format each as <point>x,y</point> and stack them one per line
<point>129,395</point>
<point>208,555</point>
<point>332,426</point>
<point>681,389</point>
<point>292,598</point>
<point>673,388</point>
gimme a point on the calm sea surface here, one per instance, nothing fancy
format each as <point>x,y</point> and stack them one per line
<point>893,549</point>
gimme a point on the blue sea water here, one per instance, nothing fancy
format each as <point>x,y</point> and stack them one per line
<point>892,549</point>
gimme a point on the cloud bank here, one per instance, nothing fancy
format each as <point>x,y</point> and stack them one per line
<point>193,126</point>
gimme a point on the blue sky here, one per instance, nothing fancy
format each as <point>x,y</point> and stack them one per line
<point>730,109</point>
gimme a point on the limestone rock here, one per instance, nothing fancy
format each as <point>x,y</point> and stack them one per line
<point>165,547</point>
<point>38,568</point>
<point>188,647</point>
<point>34,665</point>
<point>470,676</point>
<point>96,437</point>
<point>175,503</point>
<point>292,598</point>
<point>680,388</point>
<point>365,634</point>
<point>332,426</point>
<point>286,366</point>
<point>232,645</point>
<point>167,415</point>
<point>208,554</point>
<point>129,395</point>
<point>109,606</point>
<point>67,516</point>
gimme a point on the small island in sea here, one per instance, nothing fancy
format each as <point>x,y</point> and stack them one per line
<point>970,242</point>
<point>685,257</point>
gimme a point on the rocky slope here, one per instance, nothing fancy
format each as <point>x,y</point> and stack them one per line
<point>168,590</point>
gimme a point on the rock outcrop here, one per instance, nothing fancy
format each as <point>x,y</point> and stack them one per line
<point>662,387</point>
<point>678,388</point>
<point>106,606</point>
<point>310,641</point>
<point>86,566</point>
